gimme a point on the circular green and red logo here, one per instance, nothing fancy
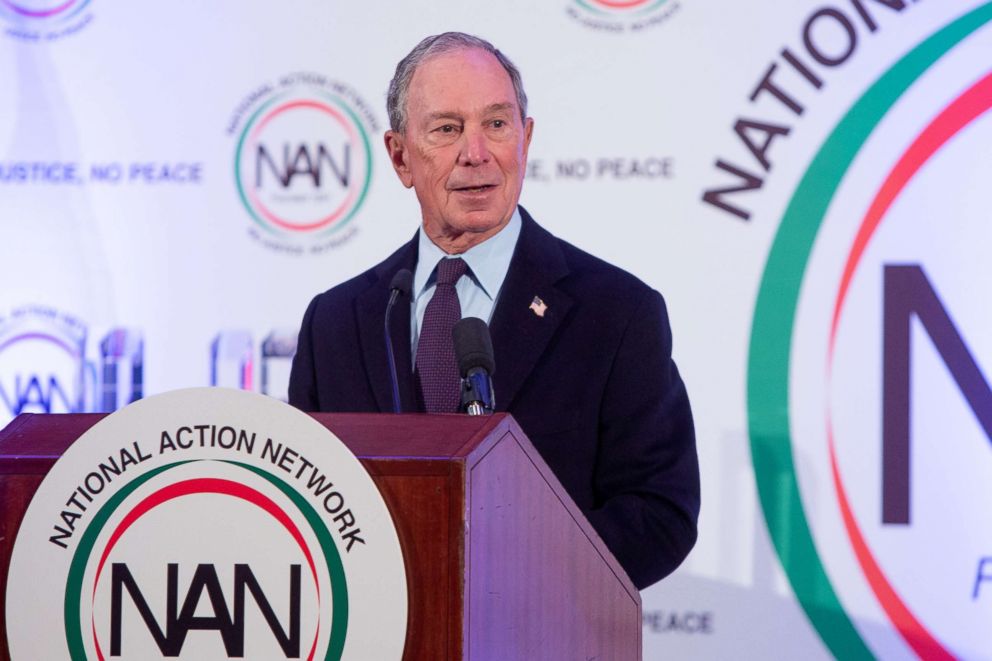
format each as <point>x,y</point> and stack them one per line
<point>42,10</point>
<point>48,20</point>
<point>303,159</point>
<point>207,523</point>
<point>622,15</point>
<point>869,400</point>
<point>43,367</point>
<point>621,6</point>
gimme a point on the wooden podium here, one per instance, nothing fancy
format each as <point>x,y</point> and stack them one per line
<point>500,562</point>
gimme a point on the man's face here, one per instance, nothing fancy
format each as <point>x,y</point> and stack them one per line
<point>464,149</point>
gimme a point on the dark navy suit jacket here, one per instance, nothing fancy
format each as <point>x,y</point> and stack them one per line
<point>592,383</point>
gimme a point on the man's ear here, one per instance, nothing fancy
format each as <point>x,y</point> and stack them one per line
<point>398,156</point>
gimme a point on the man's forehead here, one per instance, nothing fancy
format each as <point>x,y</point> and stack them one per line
<point>461,55</point>
<point>467,75</point>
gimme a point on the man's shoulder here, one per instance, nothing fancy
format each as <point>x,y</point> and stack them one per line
<point>349,289</point>
<point>377,276</point>
<point>589,274</point>
<point>586,266</point>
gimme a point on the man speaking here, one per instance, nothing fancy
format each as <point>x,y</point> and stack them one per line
<point>582,349</point>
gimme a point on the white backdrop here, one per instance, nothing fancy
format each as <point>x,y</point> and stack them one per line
<point>147,246</point>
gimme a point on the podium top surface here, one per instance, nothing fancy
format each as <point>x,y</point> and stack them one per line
<point>32,442</point>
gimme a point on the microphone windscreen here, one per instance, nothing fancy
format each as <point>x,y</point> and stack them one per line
<point>402,281</point>
<point>473,346</point>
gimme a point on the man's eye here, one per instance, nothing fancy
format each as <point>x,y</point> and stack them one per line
<point>498,123</point>
<point>447,128</point>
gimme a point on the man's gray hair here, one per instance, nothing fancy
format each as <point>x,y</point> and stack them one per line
<point>433,46</point>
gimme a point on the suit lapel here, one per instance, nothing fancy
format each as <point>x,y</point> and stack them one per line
<point>521,335</point>
<point>370,315</point>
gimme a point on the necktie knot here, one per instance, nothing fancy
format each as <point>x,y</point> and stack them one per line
<point>450,270</point>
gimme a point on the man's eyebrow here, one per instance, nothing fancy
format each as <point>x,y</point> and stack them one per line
<point>447,114</point>
<point>488,110</point>
<point>499,107</point>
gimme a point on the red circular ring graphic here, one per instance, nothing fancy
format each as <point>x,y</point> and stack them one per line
<point>39,13</point>
<point>620,4</point>
<point>200,486</point>
<point>42,336</point>
<point>352,194</point>
<point>958,114</point>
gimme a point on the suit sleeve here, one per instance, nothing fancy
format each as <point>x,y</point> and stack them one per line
<point>302,376</point>
<point>647,472</point>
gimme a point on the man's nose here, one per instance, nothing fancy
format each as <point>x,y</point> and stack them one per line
<point>475,148</point>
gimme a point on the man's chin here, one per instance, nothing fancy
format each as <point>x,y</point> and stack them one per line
<point>483,225</point>
<point>474,222</point>
<point>471,226</point>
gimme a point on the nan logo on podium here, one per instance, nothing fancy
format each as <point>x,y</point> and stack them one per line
<point>207,524</point>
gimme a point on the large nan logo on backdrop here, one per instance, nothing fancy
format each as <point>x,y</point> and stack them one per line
<point>303,161</point>
<point>881,392</point>
<point>207,524</point>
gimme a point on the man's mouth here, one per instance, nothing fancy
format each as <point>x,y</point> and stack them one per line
<point>473,189</point>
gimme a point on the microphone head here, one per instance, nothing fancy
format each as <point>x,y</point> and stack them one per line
<point>473,346</point>
<point>402,282</point>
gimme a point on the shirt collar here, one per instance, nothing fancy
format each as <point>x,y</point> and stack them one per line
<point>488,261</point>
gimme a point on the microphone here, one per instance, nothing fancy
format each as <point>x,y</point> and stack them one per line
<point>401,283</point>
<point>474,351</point>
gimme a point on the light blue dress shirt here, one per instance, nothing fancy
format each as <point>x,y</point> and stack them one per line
<point>478,290</point>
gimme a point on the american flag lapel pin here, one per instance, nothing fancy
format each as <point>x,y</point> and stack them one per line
<point>538,306</point>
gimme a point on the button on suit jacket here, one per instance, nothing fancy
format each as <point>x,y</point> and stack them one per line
<point>591,382</point>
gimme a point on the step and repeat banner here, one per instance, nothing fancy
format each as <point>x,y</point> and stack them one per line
<point>806,183</point>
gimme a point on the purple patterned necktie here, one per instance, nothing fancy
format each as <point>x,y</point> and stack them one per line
<point>436,367</point>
